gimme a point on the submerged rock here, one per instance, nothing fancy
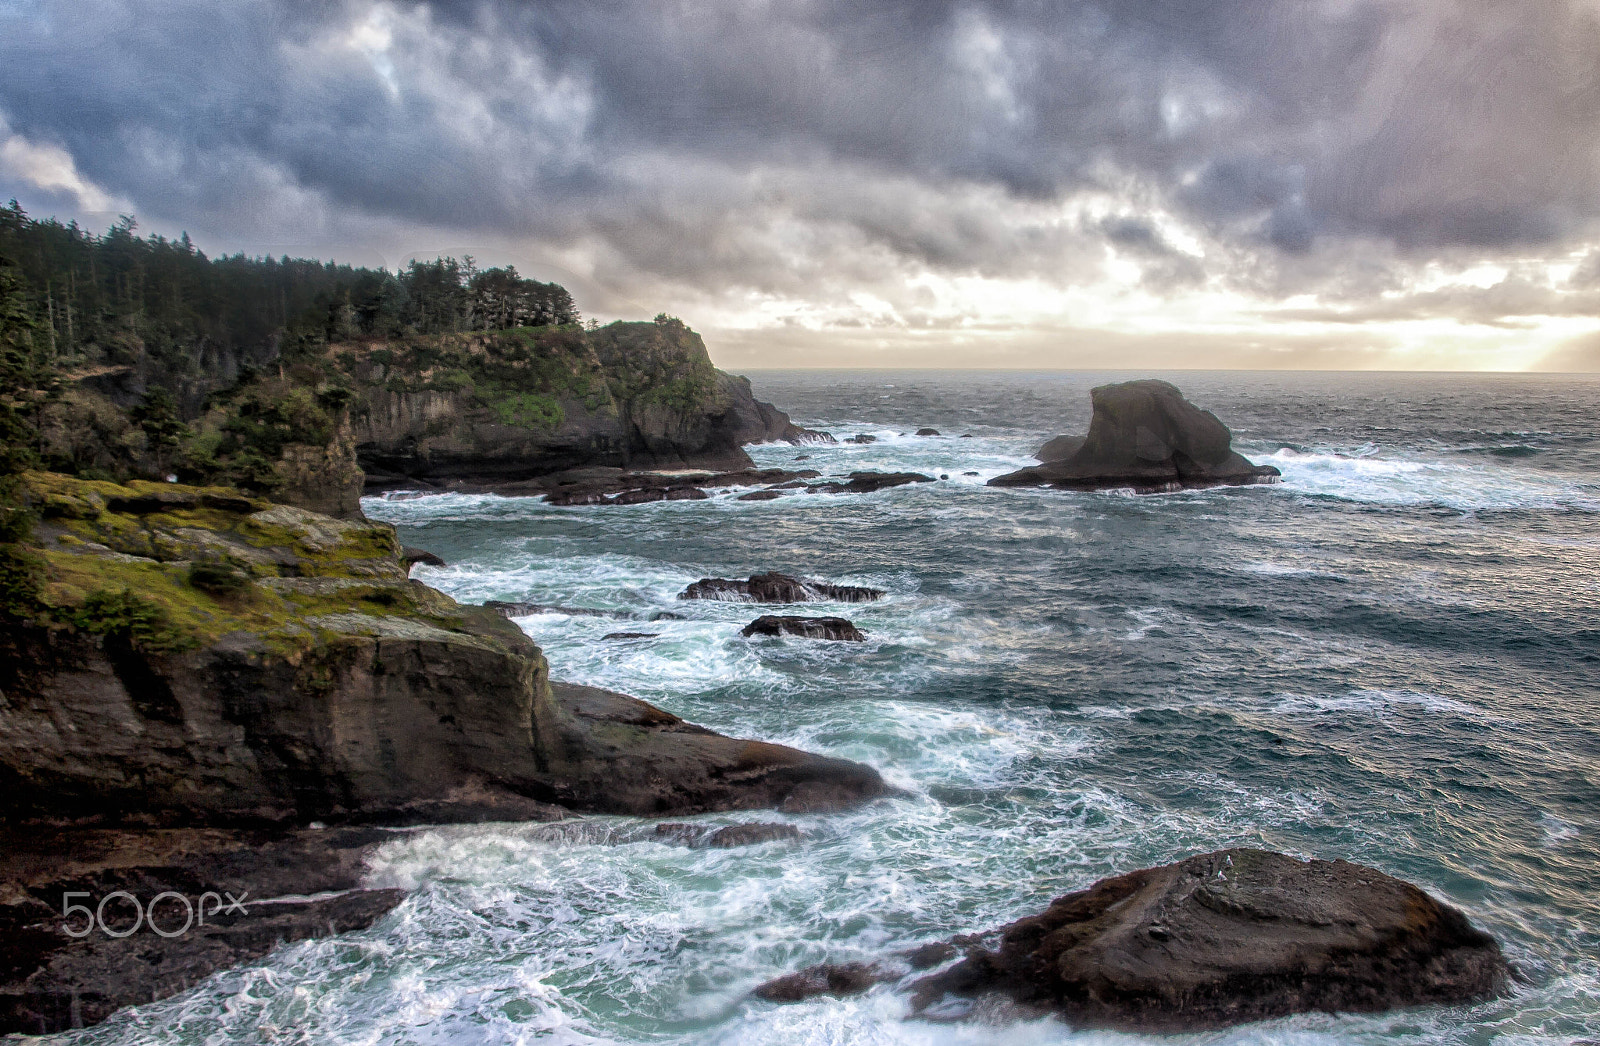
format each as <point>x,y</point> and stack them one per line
<point>727,837</point>
<point>1143,435</point>
<point>773,587</point>
<point>849,978</point>
<point>598,486</point>
<point>506,609</point>
<point>1223,938</point>
<point>835,628</point>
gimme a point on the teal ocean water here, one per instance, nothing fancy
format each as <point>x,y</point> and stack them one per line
<point>1392,657</point>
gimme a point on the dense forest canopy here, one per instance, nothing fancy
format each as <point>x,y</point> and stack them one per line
<point>120,298</point>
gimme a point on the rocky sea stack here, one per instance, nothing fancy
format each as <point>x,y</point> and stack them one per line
<point>1146,436</point>
<point>1222,938</point>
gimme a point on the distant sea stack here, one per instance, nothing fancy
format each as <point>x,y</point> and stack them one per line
<point>1143,435</point>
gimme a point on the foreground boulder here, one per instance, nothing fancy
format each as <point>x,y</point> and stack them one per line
<point>1143,435</point>
<point>1222,938</point>
<point>834,628</point>
<point>773,587</point>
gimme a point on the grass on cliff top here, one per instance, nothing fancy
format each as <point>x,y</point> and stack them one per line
<point>194,572</point>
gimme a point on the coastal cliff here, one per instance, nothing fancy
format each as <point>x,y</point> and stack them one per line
<point>201,657</point>
<point>508,406</point>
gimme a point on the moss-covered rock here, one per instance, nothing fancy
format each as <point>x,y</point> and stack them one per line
<point>197,656</point>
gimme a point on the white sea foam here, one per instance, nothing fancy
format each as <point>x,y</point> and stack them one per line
<point>1384,478</point>
<point>1373,702</point>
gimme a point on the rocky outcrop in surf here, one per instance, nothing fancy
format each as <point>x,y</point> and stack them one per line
<point>610,753</point>
<point>868,482</point>
<point>758,422</point>
<point>773,587</point>
<point>1146,436</point>
<point>1222,938</point>
<point>833,628</point>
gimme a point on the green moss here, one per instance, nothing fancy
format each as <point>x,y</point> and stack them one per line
<point>528,410</point>
<point>195,572</point>
<point>189,615</point>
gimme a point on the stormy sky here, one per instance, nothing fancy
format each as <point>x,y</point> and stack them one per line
<point>1111,183</point>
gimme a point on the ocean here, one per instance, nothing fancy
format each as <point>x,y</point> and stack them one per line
<point>1391,657</point>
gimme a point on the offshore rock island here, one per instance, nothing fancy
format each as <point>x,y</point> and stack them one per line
<point>1144,436</point>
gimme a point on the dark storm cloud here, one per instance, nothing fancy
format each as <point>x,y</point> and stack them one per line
<point>764,145</point>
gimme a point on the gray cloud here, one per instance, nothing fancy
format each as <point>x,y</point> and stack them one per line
<point>745,147</point>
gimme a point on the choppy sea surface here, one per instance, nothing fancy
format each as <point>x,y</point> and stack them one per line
<point>1392,657</point>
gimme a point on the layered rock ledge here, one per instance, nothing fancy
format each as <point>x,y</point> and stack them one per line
<point>1219,939</point>
<point>1144,435</point>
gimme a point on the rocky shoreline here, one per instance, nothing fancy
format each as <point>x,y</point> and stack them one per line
<point>237,699</point>
<point>240,671</point>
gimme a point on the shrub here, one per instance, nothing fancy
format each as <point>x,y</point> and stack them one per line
<point>139,622</point>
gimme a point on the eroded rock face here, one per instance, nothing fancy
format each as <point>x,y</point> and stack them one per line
<point>773,587</point>
<point>526,403</point>
<point>1222,938</point>
<point>833,628</point>
<point>758,422</point>
<point>1143,435</point>
<point>325,479</point>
